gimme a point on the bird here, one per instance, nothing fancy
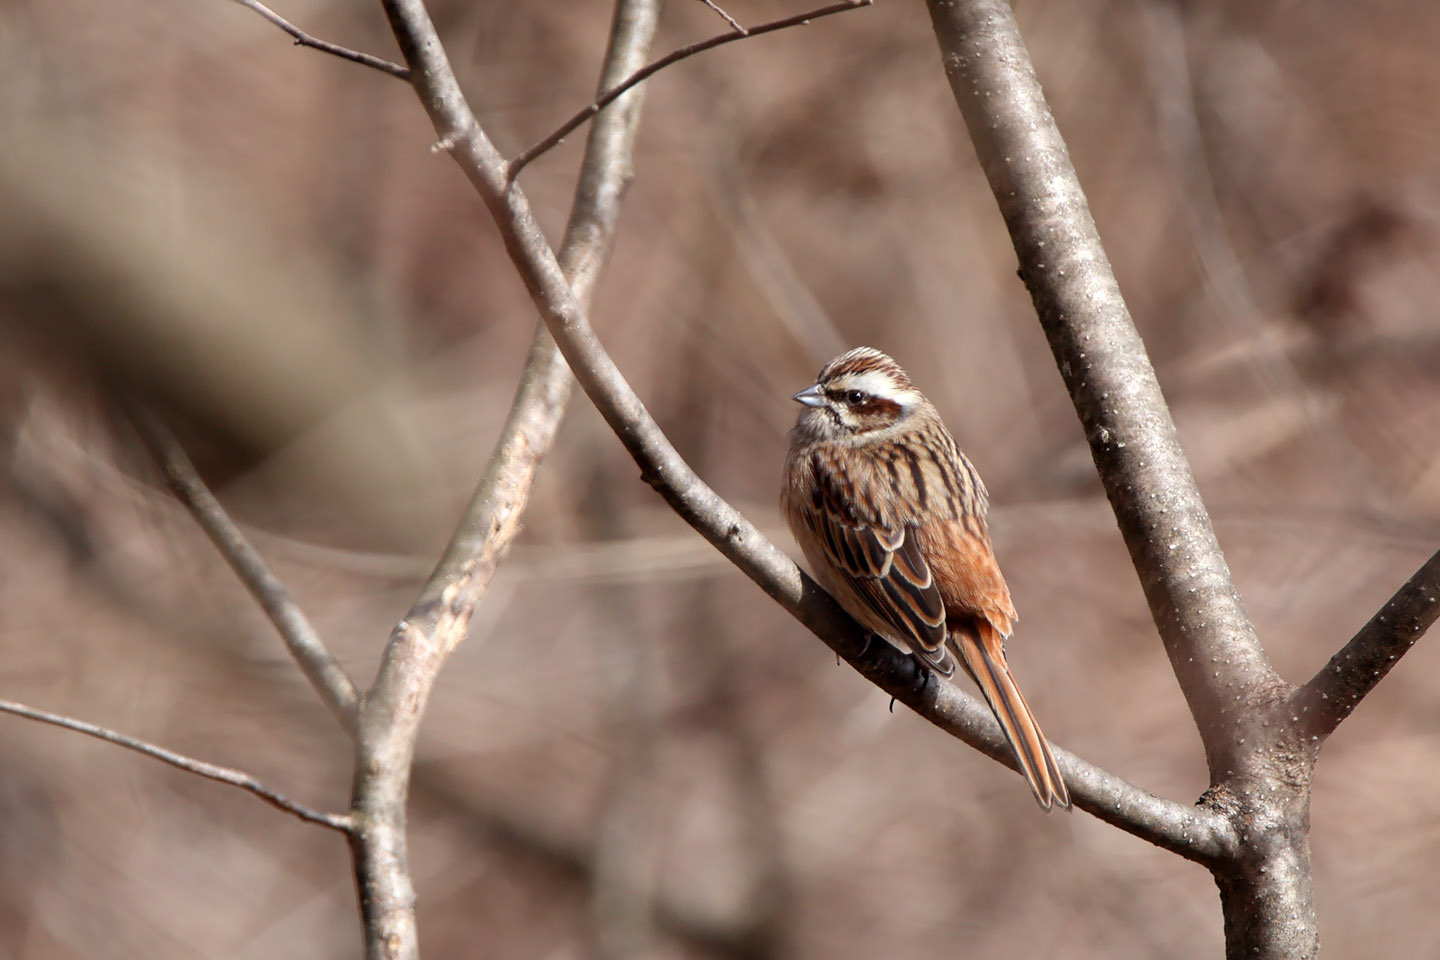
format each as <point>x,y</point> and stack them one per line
<point>891,517</point>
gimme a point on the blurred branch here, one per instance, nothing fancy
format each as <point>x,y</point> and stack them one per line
<point>1172,92</point>
<point>626,854</point>
<point>639,76</point>
<point>771,267</point>
<point>325,673</point>
<point>390,716</point>
<point>576,859</point>
<point>303,39</point>
<point>1196,833</point>
<point>1167,67</point>
<point>209,771</point>
<point>1331,695</point>
<point>768,914</point>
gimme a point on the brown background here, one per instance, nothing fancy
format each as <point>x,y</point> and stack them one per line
<point>260,236</point>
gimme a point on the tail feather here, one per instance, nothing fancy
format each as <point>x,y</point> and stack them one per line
<point>980,647</point>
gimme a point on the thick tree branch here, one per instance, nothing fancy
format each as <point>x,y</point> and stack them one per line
<point>303,39</point>
<point>1260,782</point>
<point>639,76</point>
<point>210,771</point>
<point>1330,696</point>
<point>390,717</point>
<point>325,673</point>
<point>1208,636</point>
<point>1197,832</point>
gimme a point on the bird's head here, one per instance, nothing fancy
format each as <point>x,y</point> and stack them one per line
<point>859,396</point>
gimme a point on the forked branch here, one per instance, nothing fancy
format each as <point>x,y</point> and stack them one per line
<point>303,39</point>
<point>1196,833</point>
<point>391,715</point>
<point>639,76</point>
<point>325,673</point>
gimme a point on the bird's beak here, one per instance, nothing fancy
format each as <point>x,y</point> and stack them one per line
<point>810,396</point>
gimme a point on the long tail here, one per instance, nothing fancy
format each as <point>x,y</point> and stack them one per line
<point>981,650</point>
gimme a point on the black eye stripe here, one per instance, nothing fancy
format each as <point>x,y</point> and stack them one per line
<point>855,398</point>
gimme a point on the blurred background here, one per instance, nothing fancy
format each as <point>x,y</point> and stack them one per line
<point>636,753</point>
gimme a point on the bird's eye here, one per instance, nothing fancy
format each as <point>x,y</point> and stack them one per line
<point>856,397</point>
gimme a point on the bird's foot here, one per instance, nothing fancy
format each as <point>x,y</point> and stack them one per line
<point>924,680</point>
<point>924,668</point>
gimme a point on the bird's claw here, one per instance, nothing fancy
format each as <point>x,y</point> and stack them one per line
<point>924,669</point>
<point>924,680</point>
<point>869,639</point>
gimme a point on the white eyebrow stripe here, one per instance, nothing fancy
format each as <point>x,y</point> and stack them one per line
<point>877,383</point>
<point>873,382</point>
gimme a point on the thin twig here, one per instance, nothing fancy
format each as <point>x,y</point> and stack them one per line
<point>324,672</point>
<point>734,24</point>
<point>1333,693</point>
<point>1197,833</point>
<point>209,771</point>
<point>520,162</point>
<point>303,39</point>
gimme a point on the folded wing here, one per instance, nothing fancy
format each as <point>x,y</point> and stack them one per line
<point>887,572</point>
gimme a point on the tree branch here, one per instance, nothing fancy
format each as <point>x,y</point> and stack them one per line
<point>303,39</point>
<point>1260,784</point>
<point>734,24</point>
<point>639,76</point>
<point>1211,643</point>
<point>390,717</point>
<point>325,673</point>
<point>1193,832</point>
<point>1332,694</point>
<point>1197,832</point>
<point>210,771</point>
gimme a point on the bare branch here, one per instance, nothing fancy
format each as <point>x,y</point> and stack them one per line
<point>1198,832</point>
<point>209,771</point>
<point>1333,693</point>
<point>734,24</point>
<point>639,76</point>
<point>1193,832</point>
<point>303,39</point>
<point>1211,643</point>
<point>438,621</point>
<point>325,673</point>
<point>1260,784</point>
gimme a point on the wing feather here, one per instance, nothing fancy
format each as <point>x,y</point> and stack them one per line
<point>886,571</point>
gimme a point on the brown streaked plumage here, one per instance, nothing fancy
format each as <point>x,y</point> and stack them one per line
<point>891,517</point>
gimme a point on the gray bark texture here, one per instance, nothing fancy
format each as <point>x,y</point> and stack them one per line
<point>1261,734</point>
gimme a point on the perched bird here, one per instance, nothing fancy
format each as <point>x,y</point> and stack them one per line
<point>891,517</point>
